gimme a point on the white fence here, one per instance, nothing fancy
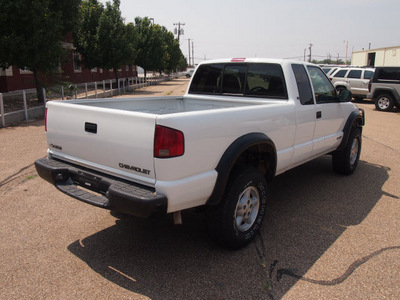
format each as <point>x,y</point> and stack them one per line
<point>24,103</point>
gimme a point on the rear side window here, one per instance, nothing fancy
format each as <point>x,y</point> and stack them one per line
<point>250,80</point>
<point>368,74</point>
<point>340,73</point>
<point>354,74</point>
<point>303,84</point>
<point>389,74</point>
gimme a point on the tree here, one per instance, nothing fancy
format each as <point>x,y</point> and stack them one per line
<point>86,36</point>
<point>114,45</point>
<point>31,34</point>
<point>102,37</point>
<point>155,47</point>
<point>174,52</point>
<point>149,47</point>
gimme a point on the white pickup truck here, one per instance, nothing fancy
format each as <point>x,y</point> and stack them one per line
<point>241,122</point>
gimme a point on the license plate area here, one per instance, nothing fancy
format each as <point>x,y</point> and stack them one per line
<point>90,182</point>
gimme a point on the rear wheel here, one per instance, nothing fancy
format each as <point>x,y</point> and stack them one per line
<point>384,102</point>
<point>235,221</point>
<point>346,160</point>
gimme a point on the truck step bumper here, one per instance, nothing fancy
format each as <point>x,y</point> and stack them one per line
<point>101,190</point>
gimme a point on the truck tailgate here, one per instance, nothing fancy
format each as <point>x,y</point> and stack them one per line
<point>113,141</point>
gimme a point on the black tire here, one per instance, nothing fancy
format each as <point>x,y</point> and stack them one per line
<point>236,220</point>
<point>384,102</point>
<point>358,98</point>
<point>346,161</point>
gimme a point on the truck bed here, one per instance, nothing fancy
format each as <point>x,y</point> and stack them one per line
<point>166,105</point>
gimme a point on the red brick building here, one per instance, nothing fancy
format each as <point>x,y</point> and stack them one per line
<point>13,78</point>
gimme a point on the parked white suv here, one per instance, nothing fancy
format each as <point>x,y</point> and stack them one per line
<point>355,80</point>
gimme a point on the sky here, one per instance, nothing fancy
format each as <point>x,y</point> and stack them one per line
<point>274,29</point>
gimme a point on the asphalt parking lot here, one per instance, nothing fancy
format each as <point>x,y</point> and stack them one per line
<point>325,236</point>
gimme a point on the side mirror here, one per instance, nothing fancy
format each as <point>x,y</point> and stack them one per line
<point>345,96</point>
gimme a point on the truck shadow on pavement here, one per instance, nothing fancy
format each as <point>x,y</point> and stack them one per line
<point>310,207</point>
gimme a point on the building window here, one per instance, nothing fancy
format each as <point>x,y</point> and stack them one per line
<point>6,71</point>
<point>25,71</point>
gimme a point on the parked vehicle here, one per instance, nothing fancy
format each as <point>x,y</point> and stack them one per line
<point>384,88</point>
<point>355,80</point>
<point>189,73</point>
<point>241,122</point>
<point>329,70</point>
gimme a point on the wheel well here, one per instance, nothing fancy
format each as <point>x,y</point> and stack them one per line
<point>254,149</point>
<point>338,87</point>
<point>259,157</point>
<point>383,92</point>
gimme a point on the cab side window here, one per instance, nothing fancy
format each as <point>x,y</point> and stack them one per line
<point>303,84</point>
<point>323,89</point>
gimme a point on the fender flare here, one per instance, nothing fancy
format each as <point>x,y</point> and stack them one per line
<point>382,90</point>
<point>231,156</point>
<point>341,84</point>
<point>356,119</point>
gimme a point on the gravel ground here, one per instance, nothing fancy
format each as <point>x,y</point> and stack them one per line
<point>325,236</point>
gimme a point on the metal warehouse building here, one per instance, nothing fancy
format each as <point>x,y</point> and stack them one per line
<point>389,56</point>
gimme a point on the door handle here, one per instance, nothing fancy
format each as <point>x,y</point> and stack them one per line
<point>319,114</point>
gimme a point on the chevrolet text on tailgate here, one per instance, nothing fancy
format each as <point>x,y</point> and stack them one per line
<point>241,122</point>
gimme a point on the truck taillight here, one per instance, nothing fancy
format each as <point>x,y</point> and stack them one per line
<point>45,120</point>
<point>168,142</point>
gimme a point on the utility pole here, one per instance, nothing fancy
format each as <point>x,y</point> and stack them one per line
<point>329,58</point>
<point>192,54</point>
<point>189,60</point>
<point>179,31</point>
<point>309,59</point>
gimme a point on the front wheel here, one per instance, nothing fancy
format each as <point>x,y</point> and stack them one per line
<point>384,102</point>
<point>345,161</point>
<point>236,220</point>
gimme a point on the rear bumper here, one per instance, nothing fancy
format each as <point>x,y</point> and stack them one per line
<point>101,190</point>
